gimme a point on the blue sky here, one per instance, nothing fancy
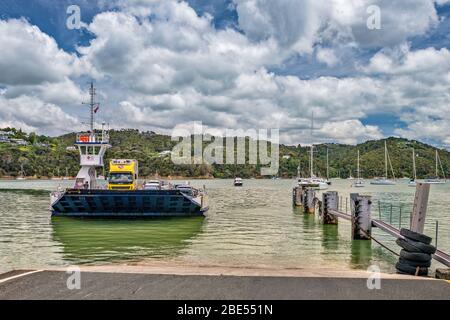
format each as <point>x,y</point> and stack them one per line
<point>292,50</point>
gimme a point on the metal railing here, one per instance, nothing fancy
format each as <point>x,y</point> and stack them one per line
<point>87,137</point>
<point>439,255</point>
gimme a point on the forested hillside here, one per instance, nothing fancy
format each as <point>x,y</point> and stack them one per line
<point>44,156</point>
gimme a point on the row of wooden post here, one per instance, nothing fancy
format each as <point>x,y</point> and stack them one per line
<point>360,207</point>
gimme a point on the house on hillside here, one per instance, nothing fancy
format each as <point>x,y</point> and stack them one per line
<point>5,136</point>
<point>165,153</point>
<point>19,142</point>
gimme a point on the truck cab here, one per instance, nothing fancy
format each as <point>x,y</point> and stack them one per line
<point>123,174</point>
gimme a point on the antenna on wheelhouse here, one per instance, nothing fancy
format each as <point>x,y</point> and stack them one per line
<point>93,106</point>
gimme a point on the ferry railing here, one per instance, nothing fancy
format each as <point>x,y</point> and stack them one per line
<point>87,137</point>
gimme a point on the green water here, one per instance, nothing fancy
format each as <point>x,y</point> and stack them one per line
<point>252,226</point>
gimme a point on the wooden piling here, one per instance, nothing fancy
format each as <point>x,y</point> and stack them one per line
<point>361,209</point>
<point>420,207</point>
<point>297,196</point>
<point>330,201</point>
<point>308,200</point>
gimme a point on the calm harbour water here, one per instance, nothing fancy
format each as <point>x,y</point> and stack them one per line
<point>252,226</point>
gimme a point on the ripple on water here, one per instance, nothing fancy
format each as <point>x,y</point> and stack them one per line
<point>248,227</point>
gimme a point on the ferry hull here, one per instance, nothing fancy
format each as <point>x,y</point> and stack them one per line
<point>139,203</point>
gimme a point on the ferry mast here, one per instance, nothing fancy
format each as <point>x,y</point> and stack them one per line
<point>92,148</point>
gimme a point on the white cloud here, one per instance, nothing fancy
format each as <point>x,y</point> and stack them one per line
<point>349,131</point>
<point>326,56</point>
<point>300,24</point>
<point>401,60</point>
<point>32,114</point>
<point>176,67</point>
<point>29,56</point>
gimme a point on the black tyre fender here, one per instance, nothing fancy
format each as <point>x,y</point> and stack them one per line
<point>425,264</point>
<point>415,236</point>
<point>415,256</point>
<point>415,246</point>
<point>405,268</point>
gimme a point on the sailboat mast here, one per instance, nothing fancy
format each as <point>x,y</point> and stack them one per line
<point>437,171</point>
<point>385,160</point>
<point>358,167</point>
<point>328,167</point>
<point>311,164</point>
<point>414,165</point>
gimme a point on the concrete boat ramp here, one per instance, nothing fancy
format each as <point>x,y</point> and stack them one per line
<point>186,283</point>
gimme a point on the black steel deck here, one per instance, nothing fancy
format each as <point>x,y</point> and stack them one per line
<point>136,203</point>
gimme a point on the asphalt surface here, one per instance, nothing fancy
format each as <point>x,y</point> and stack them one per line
<point>98,285</point>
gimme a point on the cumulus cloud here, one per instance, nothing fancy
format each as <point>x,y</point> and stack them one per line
<point>32,114</point>
<point>159,64</point>
<point>300,24</point>
<point>326,56</point>
<point>29,56</point>
<point>401,60</point>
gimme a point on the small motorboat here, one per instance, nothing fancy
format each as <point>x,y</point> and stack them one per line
<point>238,182</point>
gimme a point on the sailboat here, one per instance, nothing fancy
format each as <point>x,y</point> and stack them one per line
<point>359,183</point>
<point>66,177</point>
<point>313,181</point>
<point>22,173</point>
<point>413,181</point>
<point>437,179</point>
<point>328,181</point>
<point>57,177</point>
<point>350,177</point>
<point>384,181</point>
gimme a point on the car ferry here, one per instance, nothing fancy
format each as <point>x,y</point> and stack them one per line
<point>123,196</point>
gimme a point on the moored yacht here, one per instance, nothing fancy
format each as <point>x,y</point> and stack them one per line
<point>413,181</point>
<point>437,179</point>
<point>384,181</point>
<point>359,183</point>
<point>313,181</point>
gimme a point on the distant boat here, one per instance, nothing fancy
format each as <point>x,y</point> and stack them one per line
<point>384,181</point>
<point>313,181</point>
<point>22,173</point>
<point>359,183</point>
<point>413,181</point>
<point>350,177</point>
<point>328,181</point>
<point>66,177</point>
<point>237,182</point>
<point>437,179</point>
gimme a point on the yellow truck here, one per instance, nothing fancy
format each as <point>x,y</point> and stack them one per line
<point>123,174</point>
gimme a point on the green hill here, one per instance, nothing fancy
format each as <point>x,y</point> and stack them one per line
<point>47,157</point>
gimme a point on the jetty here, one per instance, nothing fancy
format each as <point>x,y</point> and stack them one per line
<point>418,246</point>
